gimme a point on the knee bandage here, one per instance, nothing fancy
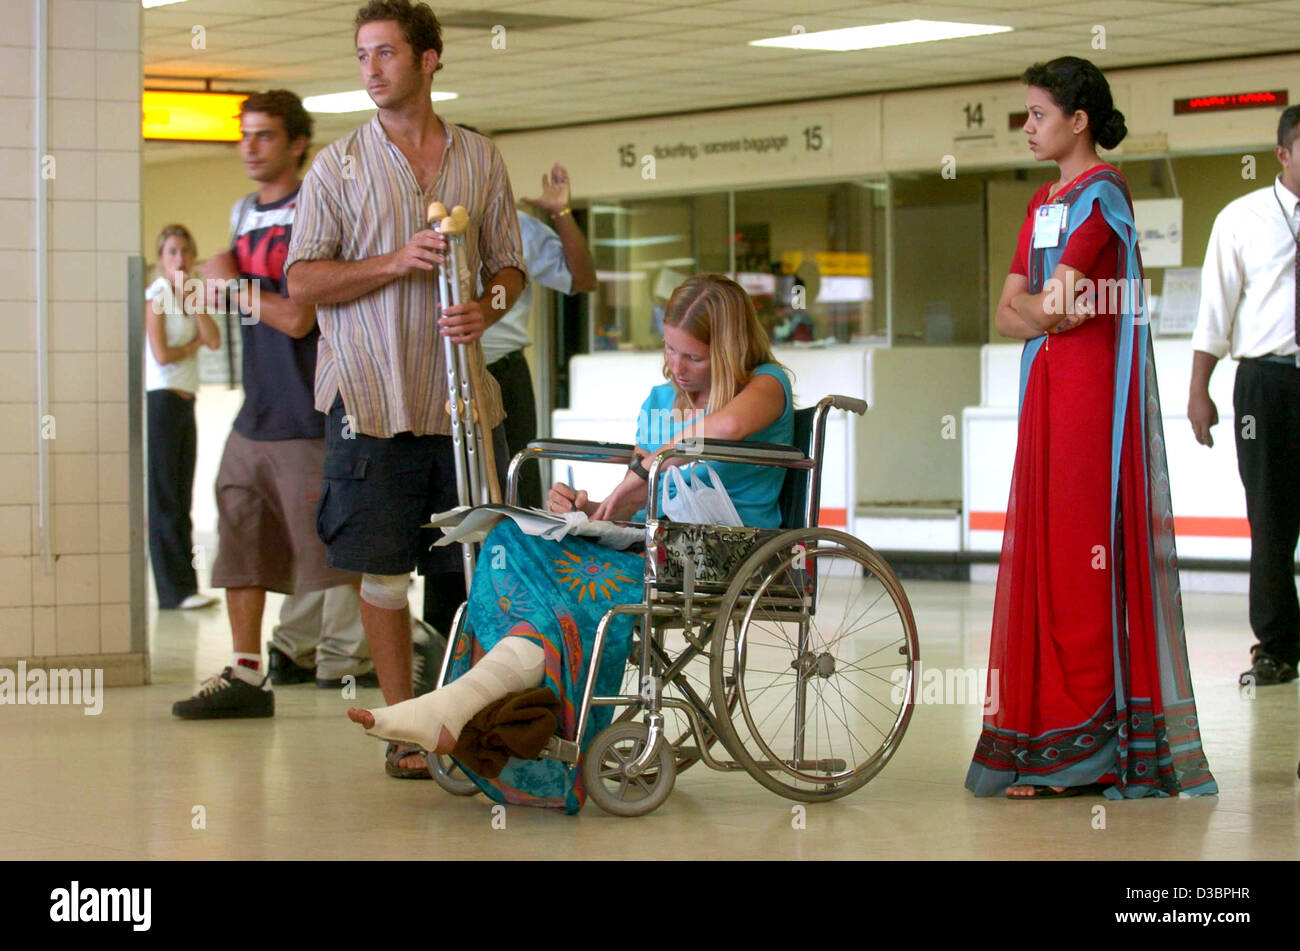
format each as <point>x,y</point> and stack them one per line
<point>385,591</point>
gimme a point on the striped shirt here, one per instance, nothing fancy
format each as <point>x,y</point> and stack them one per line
<point>382,351</point>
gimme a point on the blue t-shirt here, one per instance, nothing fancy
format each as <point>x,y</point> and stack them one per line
<point>754,490</point>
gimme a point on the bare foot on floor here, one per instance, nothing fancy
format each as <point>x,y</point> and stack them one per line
<point>1038,792</point>
<point>364,717</point>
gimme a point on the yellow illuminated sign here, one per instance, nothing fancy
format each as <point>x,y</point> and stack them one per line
<point>848,263</point>
<point>191,116</point>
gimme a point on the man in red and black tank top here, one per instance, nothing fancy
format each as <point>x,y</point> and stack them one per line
<point>270,470</point>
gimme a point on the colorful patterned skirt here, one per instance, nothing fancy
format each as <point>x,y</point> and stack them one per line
<point>554,594</point>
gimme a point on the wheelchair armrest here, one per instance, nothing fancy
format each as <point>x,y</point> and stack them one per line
<point>728,450</point>
<point>580,449</point>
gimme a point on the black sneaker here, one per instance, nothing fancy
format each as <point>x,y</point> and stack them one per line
<point>283,671</point>
<point>1266,670</point>
<point>225,697</point>
<point>427,646</point>
<point>369,679</point>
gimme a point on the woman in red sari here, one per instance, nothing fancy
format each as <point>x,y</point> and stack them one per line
<point>1088,653</point>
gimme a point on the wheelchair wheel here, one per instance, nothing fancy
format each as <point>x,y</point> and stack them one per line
<point>817,636</point>
<point>605,778</point>
<point>692,685</point>
<point>446,772</point>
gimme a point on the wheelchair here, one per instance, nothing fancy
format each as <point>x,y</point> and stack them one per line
<point>787,653</point>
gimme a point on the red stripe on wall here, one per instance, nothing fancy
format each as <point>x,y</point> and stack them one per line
<point>1205,526</point>
<point>1212,527</point>
<point>833,518</point>
<point>987,521</point>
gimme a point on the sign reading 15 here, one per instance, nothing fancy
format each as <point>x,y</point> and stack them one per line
<point>627,155</point>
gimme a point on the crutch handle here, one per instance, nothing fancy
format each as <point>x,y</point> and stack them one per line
<point>456,222</point>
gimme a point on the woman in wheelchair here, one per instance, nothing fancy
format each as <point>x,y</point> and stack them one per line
<point>534,603</point>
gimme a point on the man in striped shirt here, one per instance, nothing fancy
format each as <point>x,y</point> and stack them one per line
<point>362,255</point>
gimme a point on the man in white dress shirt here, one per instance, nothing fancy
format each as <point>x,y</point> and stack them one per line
<point>1249,309</point>
<point>558,258</point>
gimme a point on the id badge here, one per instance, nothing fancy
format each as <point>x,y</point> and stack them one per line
<point>1049,222</point>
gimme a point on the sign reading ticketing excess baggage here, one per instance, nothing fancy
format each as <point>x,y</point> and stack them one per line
<point>678,152</point>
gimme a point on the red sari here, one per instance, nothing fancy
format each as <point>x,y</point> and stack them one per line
<point>1087,660</point>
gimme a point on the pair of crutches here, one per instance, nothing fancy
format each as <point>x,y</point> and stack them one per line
<point>471,438</point>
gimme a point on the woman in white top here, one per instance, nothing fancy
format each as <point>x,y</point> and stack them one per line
<point>171,380</point>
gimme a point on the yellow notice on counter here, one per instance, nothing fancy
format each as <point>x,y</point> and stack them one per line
<point>846,263</point>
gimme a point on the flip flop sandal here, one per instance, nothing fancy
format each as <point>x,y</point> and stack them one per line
<point>1047,792</point>
<point>393,757</point>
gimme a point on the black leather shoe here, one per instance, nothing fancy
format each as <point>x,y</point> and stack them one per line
<point>1266,670</point>
<point>283,671</point>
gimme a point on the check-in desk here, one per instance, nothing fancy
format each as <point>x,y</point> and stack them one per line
<point>1208,499</point>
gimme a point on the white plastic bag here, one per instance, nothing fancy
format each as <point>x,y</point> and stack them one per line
<point>696,502</point>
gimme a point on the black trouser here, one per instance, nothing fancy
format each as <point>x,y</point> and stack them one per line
<point>511,372</point>
<point>1266,397</point>
<point>173,440</point>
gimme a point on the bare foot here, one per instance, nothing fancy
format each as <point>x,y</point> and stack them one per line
<point>1029,792</point>
<point>364,717</point>
<point>413,760</point>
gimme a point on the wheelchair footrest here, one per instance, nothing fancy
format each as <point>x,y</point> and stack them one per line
<point>561,749</point>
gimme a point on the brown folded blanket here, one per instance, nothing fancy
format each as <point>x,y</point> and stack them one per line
<point>519,725</point>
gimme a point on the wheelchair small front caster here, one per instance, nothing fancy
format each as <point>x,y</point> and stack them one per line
<point>446,772</point>
<point>605,776</point>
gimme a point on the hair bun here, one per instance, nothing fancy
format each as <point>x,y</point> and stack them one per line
<point>1112,131</point>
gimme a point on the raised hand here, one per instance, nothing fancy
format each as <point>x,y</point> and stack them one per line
<point>555,192</point>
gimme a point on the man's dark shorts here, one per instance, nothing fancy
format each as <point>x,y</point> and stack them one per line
<point>377,493</point>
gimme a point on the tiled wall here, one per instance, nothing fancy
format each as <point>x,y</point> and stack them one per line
<point>94,225</point>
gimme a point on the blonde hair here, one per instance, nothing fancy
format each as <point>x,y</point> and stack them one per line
<point>177,231</point>
<point>717,311</point>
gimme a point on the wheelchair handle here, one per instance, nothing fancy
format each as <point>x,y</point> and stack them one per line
<point>852,404</point>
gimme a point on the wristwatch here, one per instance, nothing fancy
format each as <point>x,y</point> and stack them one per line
<point>638,470</point>
<point>560,214</point>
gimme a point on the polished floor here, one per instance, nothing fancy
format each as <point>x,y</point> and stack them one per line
<point>127,784</point>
